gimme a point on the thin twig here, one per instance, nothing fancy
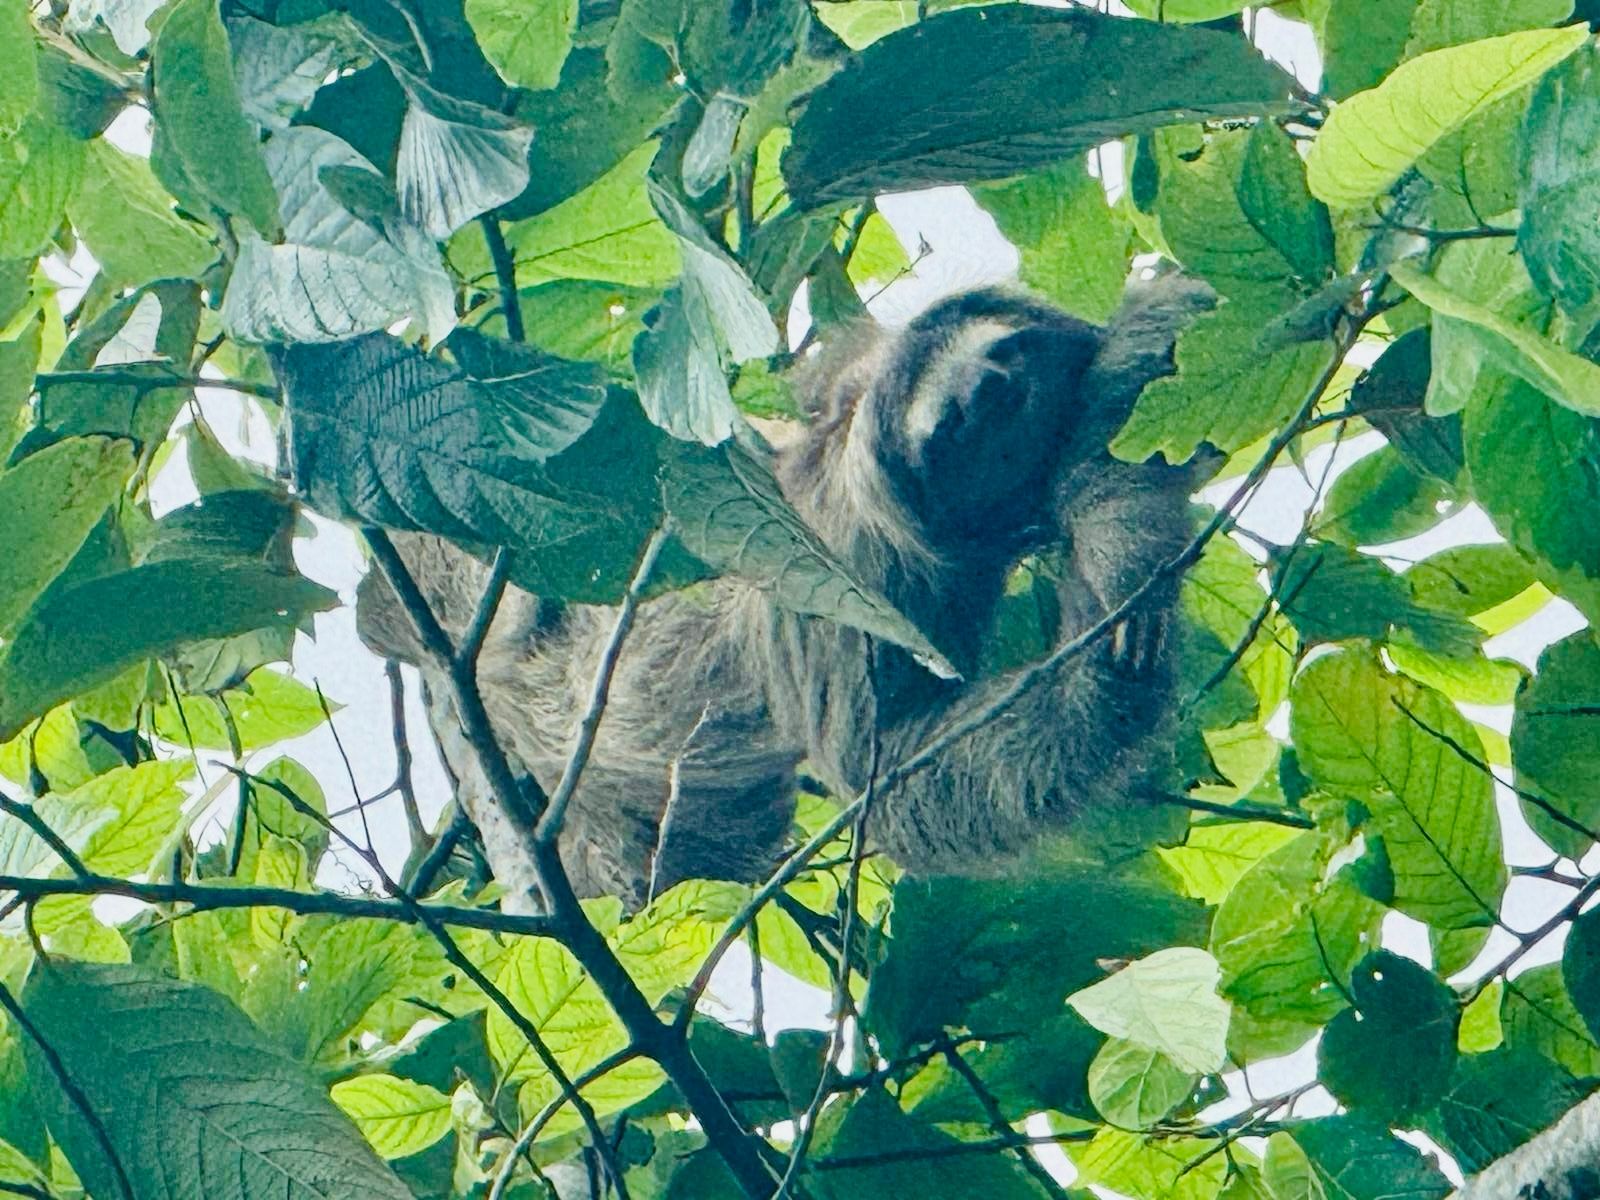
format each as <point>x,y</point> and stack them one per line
<point>549,828</point>
<point>523,801</point>
<point>209,897</point>
<point>149,380</point>
<point>841,975</point>
<point>524,1026</point>
<point>494,589</point>
<point>421,881</point>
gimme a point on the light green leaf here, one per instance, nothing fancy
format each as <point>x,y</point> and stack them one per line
<point>334,274</point>
<point>1563,376</point>
<point>127,220</point>
<point>197,108</point>
<point>1166,1002</point>
<point>450,169</point>
<point>169,1073</point>
<point>1134,1086</point>
<point>1481,1029</point>
<point>397,1116</point>
<point>1370,139</point>
<point>1072,249</point>
<point>269,706</point>
<point>40,167</point>
<point>525,40</point>
<point>607,231</point>
<point>19,65</point>
<point>145,802</point>
<point>1215,857</point>
<point>51,500</point>
<point>1172,1168</point>
<point>1392,744</point>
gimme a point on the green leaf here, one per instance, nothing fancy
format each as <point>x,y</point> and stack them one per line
<point>955,938</point>
<point>1370,139</point>
<point>1166,1002</point>
<point>40,167</point>
<point>875,1122</point>
<point>204,131</point>
<point>1580,968</point>
<point>52,499</point>
<point>145,804</point>
<point>1071,246</point>
<point>506,446</point>
<point>1539,1015</point>
<point>127,220</point>
<point>1440,23</point>
<point>984,93</point>
<point>1560,182</point>
<point>397,1116</point>
<point>1392,1054</point>
<point>269,706</point>
<point>1381,498</point>
<point>1387,742</point>
<point>1361,42</point>
<point>119,619</point>
<point>215,1099</point>
<point>1355,1158</point>
<point>1471,580</point>
<point>1534,464</point>
<point>607,231</point>
<point>457,163</point>
<point>1134,1086</point>
<point>1213,858</point>
<point>1392,397</point>
<point>279,69</point>
<point>1497,1101</point>
<point>1224,391</point>
<point>1553,745</point>
<point>335,274</point>
<point>729,512</point>
<point>19,66</point>
<point>1234,209</point>
<point>1174,1168</point>
<point>526,42</point>
<point>1287,937</point>
<point>1563,376</point>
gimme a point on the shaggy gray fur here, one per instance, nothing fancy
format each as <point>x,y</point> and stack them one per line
<point>936,458</point>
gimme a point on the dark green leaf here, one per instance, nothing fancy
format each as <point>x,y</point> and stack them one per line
<point>82,635</point>
<point>527,454</point>
<point>183,1087</point>
<point>983,93</point>
<point>1497,1101</point>
<point>1391,1056</point>
<point>964,952</point>
<point>1391,396</point>
<point>1554,747</point>
<point>728,511</point>
<point>1356,1158</point>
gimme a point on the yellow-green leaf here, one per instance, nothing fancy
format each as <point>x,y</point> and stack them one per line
<point>1372,138</point>
<point>397,1116</point>
<point>1563,376</point>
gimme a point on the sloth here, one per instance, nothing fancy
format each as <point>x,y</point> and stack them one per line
<point>936,458</point>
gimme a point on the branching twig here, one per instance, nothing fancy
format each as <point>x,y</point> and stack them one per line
<point>208,897</point>
<point>1002,1127</point>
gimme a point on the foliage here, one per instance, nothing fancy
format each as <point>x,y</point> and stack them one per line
<point>514,273</point>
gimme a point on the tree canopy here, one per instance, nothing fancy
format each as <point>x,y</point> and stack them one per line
<point>517,272</point>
